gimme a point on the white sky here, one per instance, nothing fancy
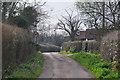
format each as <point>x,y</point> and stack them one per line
<point>56,8</point>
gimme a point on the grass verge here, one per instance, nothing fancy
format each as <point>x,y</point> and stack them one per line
<point>30,69</point>
<point>98,67</point>
<point>64,52</point>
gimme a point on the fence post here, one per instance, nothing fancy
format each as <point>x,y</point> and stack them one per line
<point>86,46</point>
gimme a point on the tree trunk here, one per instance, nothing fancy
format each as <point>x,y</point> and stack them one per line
<point>103,21</point>
<point>72,36</point>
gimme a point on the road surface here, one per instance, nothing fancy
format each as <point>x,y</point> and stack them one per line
<point>61,66</point>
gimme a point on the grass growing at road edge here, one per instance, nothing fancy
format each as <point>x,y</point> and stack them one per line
<point>31,69</point>
<point>64,52</point>
<point>100,69</point>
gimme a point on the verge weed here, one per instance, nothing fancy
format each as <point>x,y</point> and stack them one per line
<point>99,68</point>
<point>31,69</point>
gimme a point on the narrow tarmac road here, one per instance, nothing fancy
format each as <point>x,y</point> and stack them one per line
<point>61,66</point>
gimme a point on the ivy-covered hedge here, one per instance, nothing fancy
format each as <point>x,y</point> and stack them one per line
<point>74,45</point>
<point>77,46</point>
<point>47,48</point>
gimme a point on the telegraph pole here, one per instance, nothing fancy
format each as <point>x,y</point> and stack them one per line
<point>118,39</point>
<point>119,15</point>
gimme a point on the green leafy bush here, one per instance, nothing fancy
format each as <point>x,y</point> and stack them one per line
<point>104,65</point>
<point>71,50</point>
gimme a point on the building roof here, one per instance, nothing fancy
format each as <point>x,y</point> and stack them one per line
<point>82,35</point>
<point>88,34</point>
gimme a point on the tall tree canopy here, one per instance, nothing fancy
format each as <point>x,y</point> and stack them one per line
<point>103,16</point>
<point>99,14</point>
<point>70,24</point>
<point>22,14</point>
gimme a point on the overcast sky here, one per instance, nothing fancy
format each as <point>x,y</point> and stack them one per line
<point>56,8</point>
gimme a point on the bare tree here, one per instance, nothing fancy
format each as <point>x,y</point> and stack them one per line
<point>106,13</point>
<point>70,24</point>
<point>102,16</point>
